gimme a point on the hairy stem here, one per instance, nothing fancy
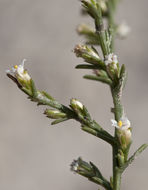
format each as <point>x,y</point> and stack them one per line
<point>118,111</point>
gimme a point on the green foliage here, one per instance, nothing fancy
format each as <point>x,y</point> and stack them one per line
<point>105,69</point>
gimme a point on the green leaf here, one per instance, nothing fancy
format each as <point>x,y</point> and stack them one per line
<point>33,88</point>
<point>89,130</point>
<point>47,95</point>
<point>96,171</point>
<point>86,113</point>
<point>14,80</point>
<point>86,66</point>
<point>123,76</point>
<point>59,121</point>
<point>134,156</point>
<point>99,132</point>
<point>105,80</point>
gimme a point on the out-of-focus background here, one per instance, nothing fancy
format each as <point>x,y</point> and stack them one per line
<point>36,155</point>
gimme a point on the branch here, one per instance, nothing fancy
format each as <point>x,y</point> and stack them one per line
<point>91,172</point>
<point>134,156</point>
<point>61,113</point>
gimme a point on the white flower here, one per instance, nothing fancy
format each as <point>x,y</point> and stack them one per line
<point>123,30</point>
<point>123,124</point>
<point>74,166</point>
<point>111,58</point>
<point>19,72</point>
<point>124,130</point>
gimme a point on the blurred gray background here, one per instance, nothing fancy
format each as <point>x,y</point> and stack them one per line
<point>35,155</point>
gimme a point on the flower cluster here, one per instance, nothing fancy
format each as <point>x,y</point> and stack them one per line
<point>111,59</point>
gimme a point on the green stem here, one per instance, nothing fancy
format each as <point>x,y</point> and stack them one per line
<point>118,108</point>
<point>111,24</point>
<point>111,11</point>
<point>117,179</point>
<point>118,111</point>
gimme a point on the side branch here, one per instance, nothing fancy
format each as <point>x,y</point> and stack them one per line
<point>61,113</point>
<point>134,156</point>
<point>91,172</point>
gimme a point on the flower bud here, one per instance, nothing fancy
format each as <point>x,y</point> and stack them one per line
<point>76,105</point>
<point>54,114</point>
<point>125,137</point>
<point>81,167</point>
<point>103,5</point>
<point>123,30</point>
<point>90,55</point>
<point>84,29</point>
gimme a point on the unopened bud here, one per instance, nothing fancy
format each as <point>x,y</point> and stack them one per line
<point>103,5</point>
<point>123,30</point>
<point>54,114</point>
<point>76,105</point>
<point>81,167</point>
<point>84,29</point>
<point>89,54</point>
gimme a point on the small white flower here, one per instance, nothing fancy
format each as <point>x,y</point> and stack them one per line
<point>123,124</point>
<point>74,166</point>
<point>111,58</point>
<point>123,30</point>
<point>18,71</point>
<point>124,129</point>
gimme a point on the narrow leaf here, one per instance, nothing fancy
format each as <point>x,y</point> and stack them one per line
<point>134,156</point>
<point>47,95</point>
<point>33,88</point>
<point>105,80</point>
<point>86,66</point>
<point>59,121</point>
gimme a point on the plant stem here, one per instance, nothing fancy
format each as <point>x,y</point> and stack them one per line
<point>118,111</point>
<point>111,23</point>
<point>117,179</point>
